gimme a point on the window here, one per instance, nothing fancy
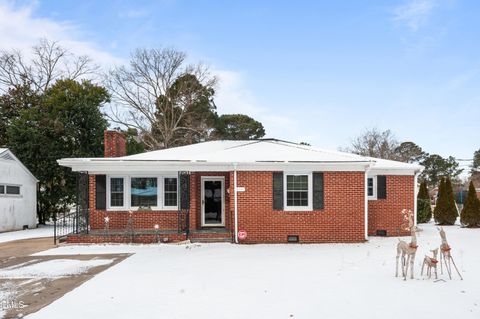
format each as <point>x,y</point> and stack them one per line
<point>372,187</point>
<point>9,190</point>
<point>170,192</point>
<point>297,191</point>
<point>143,192</point>
<point>132,192</point>
<point>13,190</point>
<point>116,192</point>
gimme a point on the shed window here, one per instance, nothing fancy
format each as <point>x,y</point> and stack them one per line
<point>2,189</point>
<point>13,190</point>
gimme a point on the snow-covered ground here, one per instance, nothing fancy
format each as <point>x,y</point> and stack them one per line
<point>41,231</point>
<point>55,268</point>
<point>274,281</point>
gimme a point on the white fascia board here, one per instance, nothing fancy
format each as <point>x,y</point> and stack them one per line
<point>393,171</point>
<point>102,166</point>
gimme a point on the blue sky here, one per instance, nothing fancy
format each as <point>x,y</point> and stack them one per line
<point>314,71</point>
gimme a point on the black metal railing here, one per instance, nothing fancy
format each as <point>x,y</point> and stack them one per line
<point>74,221</point>
<point>71,222</point>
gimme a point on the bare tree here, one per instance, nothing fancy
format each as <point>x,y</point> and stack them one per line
<point>49,62</point>
<point>159,95</point>
<point>374,143</point>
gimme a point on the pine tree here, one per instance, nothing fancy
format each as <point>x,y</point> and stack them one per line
<point>445,212</point>
<point>424,210</point>
<point>470,215</point>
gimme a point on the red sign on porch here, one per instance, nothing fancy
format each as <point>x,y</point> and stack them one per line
<point>242,234</point>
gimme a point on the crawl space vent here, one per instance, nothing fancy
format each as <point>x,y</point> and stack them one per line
<point>381,232</point>
<point>292,238</point>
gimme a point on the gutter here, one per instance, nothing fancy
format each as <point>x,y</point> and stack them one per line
<point>415,192</point>
<point>367,170</point>
<point>235,201</point>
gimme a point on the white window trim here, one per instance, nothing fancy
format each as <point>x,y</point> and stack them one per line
<point>164,207</point>
<point>374,196</point>
<point>309,207</point>
<point>11,195</point>
<point>109,207</point>
<point>203,179</point>
<point>127,192</point>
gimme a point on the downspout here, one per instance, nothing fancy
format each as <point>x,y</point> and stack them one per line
<point>235,202</point>
<point>415,192</point>
<point>367,170</point>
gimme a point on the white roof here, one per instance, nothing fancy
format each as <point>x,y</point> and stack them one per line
<point>264,154</point>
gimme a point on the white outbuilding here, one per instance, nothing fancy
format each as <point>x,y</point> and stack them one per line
<point>18,194</point>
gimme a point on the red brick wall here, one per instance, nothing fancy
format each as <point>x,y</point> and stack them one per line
<point>385,214</point>
<point>167,220</point>
<point>341,220</point>
<point>114,144</point>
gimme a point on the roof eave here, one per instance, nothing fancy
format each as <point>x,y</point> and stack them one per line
<point>118,165</point>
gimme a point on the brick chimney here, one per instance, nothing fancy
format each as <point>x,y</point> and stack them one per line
<point>114,144</point>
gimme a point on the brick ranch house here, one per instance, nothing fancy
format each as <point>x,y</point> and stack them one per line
<point>274,191</point>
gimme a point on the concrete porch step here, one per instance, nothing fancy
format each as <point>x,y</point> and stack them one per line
<point>211,240</point>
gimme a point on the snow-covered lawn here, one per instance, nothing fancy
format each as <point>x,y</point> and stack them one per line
<point>41,231</point>
<point>274,281</point>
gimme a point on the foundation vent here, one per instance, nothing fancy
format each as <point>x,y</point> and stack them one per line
<point>381,232</point>
<point>293,238</point>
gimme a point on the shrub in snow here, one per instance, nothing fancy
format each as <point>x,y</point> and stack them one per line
<point>470,215</point>
<point>424,210</point>
<point>445,213</point>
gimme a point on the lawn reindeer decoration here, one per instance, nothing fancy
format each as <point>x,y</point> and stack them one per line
<point>431,262</point>
<point>407,251</point>
<point>446,255</point>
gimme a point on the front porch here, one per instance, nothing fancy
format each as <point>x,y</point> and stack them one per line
<point>203,211</point>
<point>148,236</point>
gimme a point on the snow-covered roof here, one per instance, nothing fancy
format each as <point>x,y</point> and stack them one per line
<point>264,154</point>
<point>6,155</point>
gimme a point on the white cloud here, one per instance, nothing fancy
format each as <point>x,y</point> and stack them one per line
<point>19,29</point>
<point>414,13</point>
<point>234,96</point>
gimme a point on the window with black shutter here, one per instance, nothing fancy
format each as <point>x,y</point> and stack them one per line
<point>100,191</point>
<point>381,187</point>
<point>278,190</point>
<point>318,196</point>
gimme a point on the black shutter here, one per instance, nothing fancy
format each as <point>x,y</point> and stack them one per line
<point>100,191</point>
<point>381,187</point>
<point>184,191</point>
<point>278,190</point>
<point>317,191</point>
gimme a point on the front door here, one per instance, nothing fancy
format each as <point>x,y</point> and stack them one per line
<point>213,213</point>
